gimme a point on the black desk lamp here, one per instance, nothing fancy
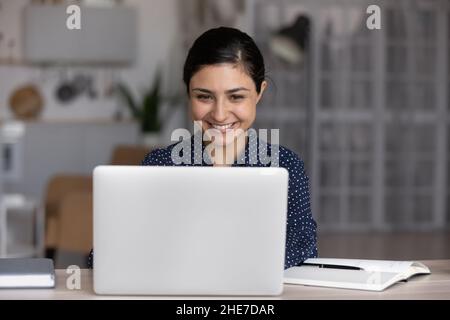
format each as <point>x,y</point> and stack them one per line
<point>289,43</point>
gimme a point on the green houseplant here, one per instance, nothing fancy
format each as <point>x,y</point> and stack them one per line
<point>146,110</point>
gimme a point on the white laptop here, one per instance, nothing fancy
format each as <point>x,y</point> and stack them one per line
<point>189,230</point>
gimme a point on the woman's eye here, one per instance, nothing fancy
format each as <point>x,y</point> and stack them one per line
<point>236,97</point>
<point>204,97</point>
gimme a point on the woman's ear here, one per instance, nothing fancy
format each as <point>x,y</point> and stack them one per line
<point>263,87</point>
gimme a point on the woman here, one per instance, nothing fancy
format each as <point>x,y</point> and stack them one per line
<point>224,75</point>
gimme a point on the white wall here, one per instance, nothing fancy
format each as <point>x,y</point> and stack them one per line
<point>160,47</point>
<point>158,27</point>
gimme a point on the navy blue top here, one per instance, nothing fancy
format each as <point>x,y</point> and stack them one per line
<point>301,238</point>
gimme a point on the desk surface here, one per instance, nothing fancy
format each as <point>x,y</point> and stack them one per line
<point>433,286</point>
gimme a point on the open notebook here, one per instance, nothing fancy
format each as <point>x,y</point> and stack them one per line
<point>373,275</point>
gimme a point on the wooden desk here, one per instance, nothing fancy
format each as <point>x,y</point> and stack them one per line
<point>434,286</point>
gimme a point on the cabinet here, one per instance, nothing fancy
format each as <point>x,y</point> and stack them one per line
<point>106,36</point>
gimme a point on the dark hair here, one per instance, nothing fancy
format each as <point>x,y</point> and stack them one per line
<point>225,45</point>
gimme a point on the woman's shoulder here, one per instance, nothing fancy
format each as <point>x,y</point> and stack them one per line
<point>159,156</point>
<point>286,157</point>
<point>293,162</point>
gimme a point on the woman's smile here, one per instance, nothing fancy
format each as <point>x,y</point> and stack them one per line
<point>223,128</point>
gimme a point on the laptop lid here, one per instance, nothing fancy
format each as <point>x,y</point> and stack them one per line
<point>189,230</point>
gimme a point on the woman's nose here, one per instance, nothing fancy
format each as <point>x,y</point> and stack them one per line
<point>219,113</point>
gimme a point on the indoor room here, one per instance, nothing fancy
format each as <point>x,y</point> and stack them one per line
<point>359,90</point>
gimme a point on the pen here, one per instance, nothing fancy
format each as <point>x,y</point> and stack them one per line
<point>331,266</point>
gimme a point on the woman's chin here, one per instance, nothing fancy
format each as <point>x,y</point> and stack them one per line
<point>219,141</point>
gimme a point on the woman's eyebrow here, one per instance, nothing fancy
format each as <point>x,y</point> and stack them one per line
<point>202,90</point>
<point>227,91</point>
<point>236,90</point>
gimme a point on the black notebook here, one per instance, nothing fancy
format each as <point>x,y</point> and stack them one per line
<point>27,273</point>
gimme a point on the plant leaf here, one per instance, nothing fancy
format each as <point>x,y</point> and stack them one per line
<point>151,103</point>
<point>127,96</point>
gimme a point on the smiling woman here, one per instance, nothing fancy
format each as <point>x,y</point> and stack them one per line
<point>224,75</point>
<point>221,106</point>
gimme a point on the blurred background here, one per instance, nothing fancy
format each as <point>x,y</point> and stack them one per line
<point>364,102</point>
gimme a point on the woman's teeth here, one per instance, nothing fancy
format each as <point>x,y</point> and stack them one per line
<point>222,127</point>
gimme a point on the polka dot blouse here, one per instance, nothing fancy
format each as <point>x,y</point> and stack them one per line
<point>301,238</point>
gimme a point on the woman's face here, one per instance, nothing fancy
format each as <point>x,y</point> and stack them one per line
<point>224,98</point>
